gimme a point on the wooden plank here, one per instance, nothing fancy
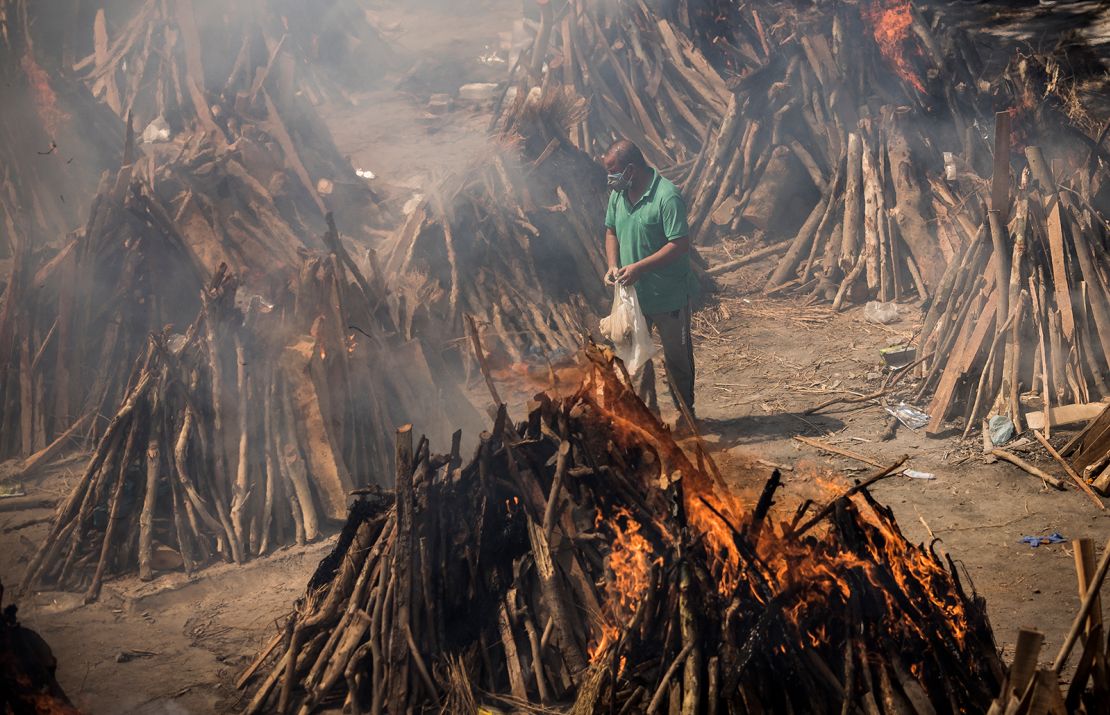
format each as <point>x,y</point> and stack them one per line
<point>1000,179</point>
<point>1065,415</point>
<point>321,452</point>
<point>1059,271</point>
<point>967,347</point>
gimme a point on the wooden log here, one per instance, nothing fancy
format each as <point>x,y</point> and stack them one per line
<point>1027,467</point>
<point>150,498</point>
<point>825,446</point>
<point>1001,260</point>
<point>1094,585</point>
<point>398,656</point>
<point>1068,470</point>
<point>24,468</point>
<point>1000,176</point>
<point>1026,654</point>
<point>853,205</point>
<point>798,246</point>
<point>752,257</point>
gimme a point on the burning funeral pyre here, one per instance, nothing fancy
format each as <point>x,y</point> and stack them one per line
<point>581,562</point>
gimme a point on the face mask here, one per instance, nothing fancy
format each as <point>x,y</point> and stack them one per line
<point>618,182</point>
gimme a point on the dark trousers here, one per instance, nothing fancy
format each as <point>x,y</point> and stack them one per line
<point>678,358</point>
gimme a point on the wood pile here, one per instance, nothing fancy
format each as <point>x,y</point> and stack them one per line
<point>1033,689</point>
<point>1088,453</point>
<point>247,186</point>
<point>72,324</point>
<point>513,241</point>
<point>1022,317</point>
<point>821,130</point>
<point>835,148</point>
<point>646,76</point>
<point>55,140</point>
<point>27,668</point>
<point>221,72</point>
<point>245,432</point>
<point>581,562</point>
<point>341,43</point>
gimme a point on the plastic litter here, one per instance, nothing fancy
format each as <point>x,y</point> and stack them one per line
<point>909,415</point>
<point>365,174</point>
<point>175,343</point>
<point>157,131</point>
<point>882,313</point>
<point>1034,541</point>
<point>1001,428</point>
<point>626,327</point>
<point>914,474</point>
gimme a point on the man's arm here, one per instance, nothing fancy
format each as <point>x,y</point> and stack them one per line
<point>612,255</point>
<point>665,256</point>
<point>676,230</point>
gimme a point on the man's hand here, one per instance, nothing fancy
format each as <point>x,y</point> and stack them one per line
<point>629,274</point>
<point>611,275</point>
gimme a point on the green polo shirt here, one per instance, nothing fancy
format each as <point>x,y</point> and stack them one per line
<point>644,228</point>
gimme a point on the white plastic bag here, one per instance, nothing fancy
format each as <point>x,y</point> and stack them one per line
<point>626,327</point>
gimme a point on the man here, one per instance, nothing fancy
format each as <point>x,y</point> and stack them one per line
<point>647,246</point>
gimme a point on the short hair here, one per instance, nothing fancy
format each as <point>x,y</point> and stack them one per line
<point>625,153</point>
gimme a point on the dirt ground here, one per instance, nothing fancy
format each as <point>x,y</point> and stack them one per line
<point>177,645</point>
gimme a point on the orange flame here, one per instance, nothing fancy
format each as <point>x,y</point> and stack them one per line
<point>630,559</point>
<point>891,22</point>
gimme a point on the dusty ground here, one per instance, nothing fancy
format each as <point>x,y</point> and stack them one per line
<point>177,646</point>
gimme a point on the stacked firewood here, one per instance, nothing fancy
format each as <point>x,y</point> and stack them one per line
<point>834,145</point>
<point>243,432</point>
<point>1030,688</point>
<point>1088,452</point>
<point>581,562</point>
<point>55,140</point>
<point>813,124</point>
<point>247,185</point>
<point>74,323</point>
<point>27,668</point>
<point>1023,316</point>
<point>224,72</point>
<point>513,241</point>
<point>647,77</point>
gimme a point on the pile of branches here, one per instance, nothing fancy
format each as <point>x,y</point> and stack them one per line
<point>247,183</point>
<point>27,668</point>
<point>834,143</point>
<point>646,76</point>
<point>72,323</point>
<point>243,433</point>
<point>55,140</point>
<point>201,67</point>
<point>512,241</point>
<point>581,562</point>
<point>1023,316</point>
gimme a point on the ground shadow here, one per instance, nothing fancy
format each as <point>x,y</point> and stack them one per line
<point>750,429</point>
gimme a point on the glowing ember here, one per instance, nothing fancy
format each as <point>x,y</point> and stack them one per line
<point>891,22</point>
